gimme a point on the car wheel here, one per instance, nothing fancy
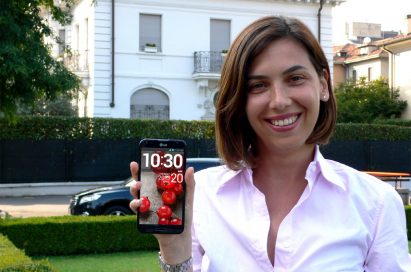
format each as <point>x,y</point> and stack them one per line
<point>117,210</point>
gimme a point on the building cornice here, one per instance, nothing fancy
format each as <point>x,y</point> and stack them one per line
<point>398,45</point>
<point>364,58</point>
<point>204,4</point>
<point>326,2</point>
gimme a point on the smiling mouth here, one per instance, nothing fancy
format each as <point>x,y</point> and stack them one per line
<point>284,122</point>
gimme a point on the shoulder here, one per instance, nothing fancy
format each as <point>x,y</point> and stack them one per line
<point>360,183</point>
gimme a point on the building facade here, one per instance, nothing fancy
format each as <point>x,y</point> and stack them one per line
<point>389,59</point>
<point>399,50</point>
<point>161,59</point>
<point>352,62</point>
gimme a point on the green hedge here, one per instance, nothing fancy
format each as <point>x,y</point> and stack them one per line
<point>408,218</point>
<point>397,122</point>
<point>14,260</point>
<point>371,132</point>
<point>39,128</point>
<point>65,235</point>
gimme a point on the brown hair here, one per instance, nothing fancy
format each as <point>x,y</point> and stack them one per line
<point>234,134</point>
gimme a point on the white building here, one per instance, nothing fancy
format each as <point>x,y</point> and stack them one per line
<point>388,58</point>
<point>176,78</point>
<point>399,67</point>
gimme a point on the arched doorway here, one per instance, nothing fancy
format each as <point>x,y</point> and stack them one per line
<point>149,103</point>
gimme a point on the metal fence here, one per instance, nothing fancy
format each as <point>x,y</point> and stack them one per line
<point>208,62</point>
<point>105,160</point>
<point>371,155</point>
<point>24,161</point>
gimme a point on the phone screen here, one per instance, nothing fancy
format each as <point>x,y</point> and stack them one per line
<point>162,194</point>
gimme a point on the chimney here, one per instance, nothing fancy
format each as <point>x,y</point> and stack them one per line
<point>409,23</point>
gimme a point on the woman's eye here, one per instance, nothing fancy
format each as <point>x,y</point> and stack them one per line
<point>256,87</point>
<point>296,79</point>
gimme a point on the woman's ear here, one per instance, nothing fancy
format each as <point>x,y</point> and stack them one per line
<point>324,94</point>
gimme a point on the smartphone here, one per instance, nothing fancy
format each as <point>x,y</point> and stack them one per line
<point>162,164</point>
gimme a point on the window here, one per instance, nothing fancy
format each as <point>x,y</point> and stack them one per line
<point>219,35</point>
<point>354,75</point>
<point>86,33</point>
<point>149,103</point>
<point>347,30</point>
<point>62,41</point>
<point>150,30</point>
<point>77,33</point>
<point>369,74</point>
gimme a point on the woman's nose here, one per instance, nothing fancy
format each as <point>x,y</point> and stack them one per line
<point>279,98</point>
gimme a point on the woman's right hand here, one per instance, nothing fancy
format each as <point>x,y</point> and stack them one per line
<point>175,248</point>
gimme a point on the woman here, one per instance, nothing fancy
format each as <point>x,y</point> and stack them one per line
<point>277,204</point>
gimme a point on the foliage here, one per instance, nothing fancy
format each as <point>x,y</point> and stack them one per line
<point>65,235</point>
<point>39,128</point>
<point>59,128</point>
<point>365,102</point>
<point>371,132</point>
<point>27,70</point>
<point>60,106</point>
<point>396,122</point>
<point>408,219</point>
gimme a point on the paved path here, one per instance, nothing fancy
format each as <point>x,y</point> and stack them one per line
<point>30,206</point>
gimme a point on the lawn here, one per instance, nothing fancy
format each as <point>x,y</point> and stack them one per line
<point>136,261</point>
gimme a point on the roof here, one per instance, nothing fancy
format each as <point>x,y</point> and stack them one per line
<point>327,2</point>
<point>354,53</point>
<point>396,39</point>
<point>350,52</point>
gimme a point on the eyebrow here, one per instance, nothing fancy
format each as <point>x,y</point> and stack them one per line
<point>294,68</point>
<point>287,71</point>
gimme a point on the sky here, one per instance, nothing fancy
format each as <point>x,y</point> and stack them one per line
<point>391,14</point>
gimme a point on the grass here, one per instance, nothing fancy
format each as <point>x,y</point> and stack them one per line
<point>135,261</point>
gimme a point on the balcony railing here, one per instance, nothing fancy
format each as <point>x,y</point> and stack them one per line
<point>208,62</point>
<point>77,62</point>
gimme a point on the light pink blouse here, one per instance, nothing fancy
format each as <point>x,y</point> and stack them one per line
<point>345,220</point>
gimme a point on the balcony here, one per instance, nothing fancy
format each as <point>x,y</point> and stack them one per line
<point>207,64</point>
<point>77,62</point>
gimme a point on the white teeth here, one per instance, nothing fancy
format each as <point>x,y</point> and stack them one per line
<point>284,122</point>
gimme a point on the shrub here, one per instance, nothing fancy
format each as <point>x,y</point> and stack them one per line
<point>14,260</point>
<point>40,128</point>
<point>371,132</point>
<point>364,102</point>
<point>396,122</point>
<point>408,218</point>
<point>66,235</point>
<point>68,128</point>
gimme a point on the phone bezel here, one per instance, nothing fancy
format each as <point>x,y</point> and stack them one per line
<point>161,144</point>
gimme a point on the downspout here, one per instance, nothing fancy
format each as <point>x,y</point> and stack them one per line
<point>391,68</point>
<point>319,21</point>
<point>112,53</point>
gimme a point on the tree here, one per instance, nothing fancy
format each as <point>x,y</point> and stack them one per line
<point>60,106</point>
<point>364,102</point>
<point>28,72</point>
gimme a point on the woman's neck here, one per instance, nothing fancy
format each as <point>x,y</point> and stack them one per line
<point>289,166</point>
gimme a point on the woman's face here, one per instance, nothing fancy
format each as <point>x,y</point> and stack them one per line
<point>284,93</point>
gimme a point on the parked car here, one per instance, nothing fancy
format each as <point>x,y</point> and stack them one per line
<point>115,200</point>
